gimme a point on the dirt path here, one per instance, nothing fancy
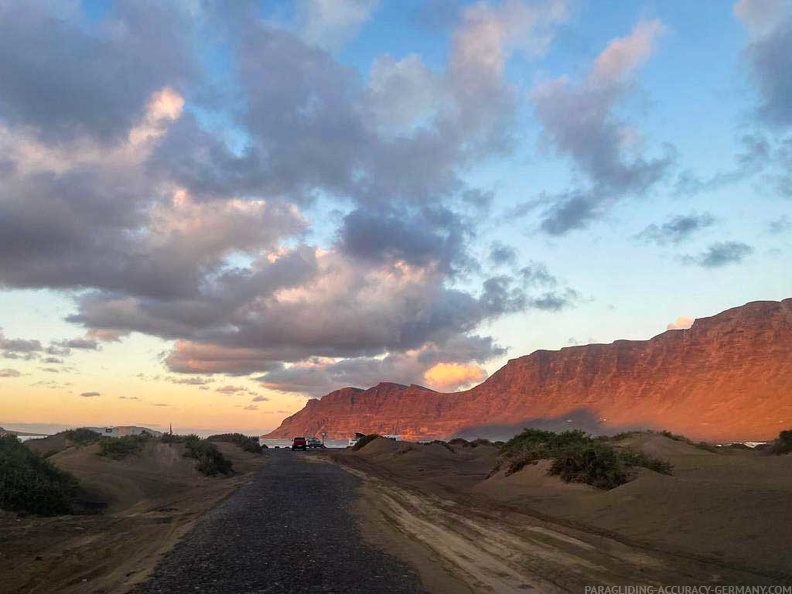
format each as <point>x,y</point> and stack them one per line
<point>502,551</point>
<point>289,531</point>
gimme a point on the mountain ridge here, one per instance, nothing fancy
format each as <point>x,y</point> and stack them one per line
<point>727,377</point>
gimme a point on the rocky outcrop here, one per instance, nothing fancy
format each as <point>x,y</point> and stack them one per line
<point>728,377</point>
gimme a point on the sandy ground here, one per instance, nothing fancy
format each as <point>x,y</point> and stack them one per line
<point>153,499</point>
<point>722,518</point>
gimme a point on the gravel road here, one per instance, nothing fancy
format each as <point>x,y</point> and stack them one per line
<point>288,531</point>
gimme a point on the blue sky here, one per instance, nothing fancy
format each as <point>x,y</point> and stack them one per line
<point>211,212</point>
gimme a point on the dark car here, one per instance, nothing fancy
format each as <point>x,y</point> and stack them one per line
<point>299,443</point>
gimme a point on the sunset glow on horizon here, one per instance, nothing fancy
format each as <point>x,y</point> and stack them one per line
<point>209,215</point>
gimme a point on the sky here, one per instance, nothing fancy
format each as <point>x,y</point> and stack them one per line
<point>211,212</point>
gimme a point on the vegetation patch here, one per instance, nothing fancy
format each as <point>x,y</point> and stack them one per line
<point>248,444</point>
<point>31,484</point>
<point>364,441</point>
<point>459,441</point>
<point>82,436</point>
<point>576,457</point>
<point>440,442</point>
<point>119,448</point>
<point>782,444</point>
<point>210,461</point>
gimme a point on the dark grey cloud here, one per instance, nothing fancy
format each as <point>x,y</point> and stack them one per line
<point>90,394</point>
<point>64,76</point>
<point>580,122</point>
<point>555,300</point>
<point>721,254</point>
<point>260,399</point>
<point>418,238</point>
<point>676,229</point>
<point>88,344</point>
<point>780,225</point>
<point>536,274</point>
<point>18,345</point>
<point>231,389</point>
<point>190,381</point>
<point>770,25</point>
<point>501,254</point>
<point>756,154</point>
<point>170,226</point>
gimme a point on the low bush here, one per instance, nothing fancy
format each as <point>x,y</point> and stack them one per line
<point>364,441</point>
<point>479,442</point>
<point>440,442</point>
<point>459,441</point>
<point>209,459</point>
<point>119,448</point>
<point>783,443</point>
<point>31,484</point>
<point>248,444</point>
<point>81,436</point>
<point>576,457</point>
<point>595,463</point>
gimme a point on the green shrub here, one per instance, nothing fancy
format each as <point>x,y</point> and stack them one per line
<point>31,484</point>
<point>210,461</point>
<point>81,436</point>
<point>119,448</point>
<point>642,460</point>
<point>480,441</point>
<point>364,441</point>
<point>576,457</point>
<point>783,443</point>
<point>594,463</point>
<point>459,441</point>
<point>248,444</point>
<point>621,436</point>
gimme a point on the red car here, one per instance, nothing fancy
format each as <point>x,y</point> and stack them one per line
<point>299,443</point>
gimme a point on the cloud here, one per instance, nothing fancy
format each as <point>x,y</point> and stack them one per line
<point>128,398</point>
<point>329,24</point>
<point>190,381</point>
<point>579,120</point>
<point>251,407</point>
<point>168,224</point>
<point>449,377</point>
<point>10,373</point>
<point>780,225</point>
<point>89,344</point>
<point>770,25</point>
<point>64,78</point>
<point>260,399</point>
<point>161,404</point>
<point>681,323</point>
<point>231,389</point>
<point>318,376</point>
<point>90,394</point>
<point>501,254</point>
<point>676,229</point>
<point>18,345</point>
<point>721,254</point>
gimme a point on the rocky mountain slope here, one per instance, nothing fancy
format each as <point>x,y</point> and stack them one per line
<point>728,377</point>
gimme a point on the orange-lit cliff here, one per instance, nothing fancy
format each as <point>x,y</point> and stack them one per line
<point>728,377</point>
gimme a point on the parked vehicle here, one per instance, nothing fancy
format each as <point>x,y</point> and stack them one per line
<point>299,443</point>
<point>315,442</point>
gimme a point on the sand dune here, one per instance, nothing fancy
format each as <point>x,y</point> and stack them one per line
<point>153,498</point>
<point>732,507</point>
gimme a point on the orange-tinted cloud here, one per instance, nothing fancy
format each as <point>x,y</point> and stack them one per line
<point>681,323</point>
<point>453,376</point>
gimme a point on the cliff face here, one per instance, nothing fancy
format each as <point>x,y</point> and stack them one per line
<point>728,377</point>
